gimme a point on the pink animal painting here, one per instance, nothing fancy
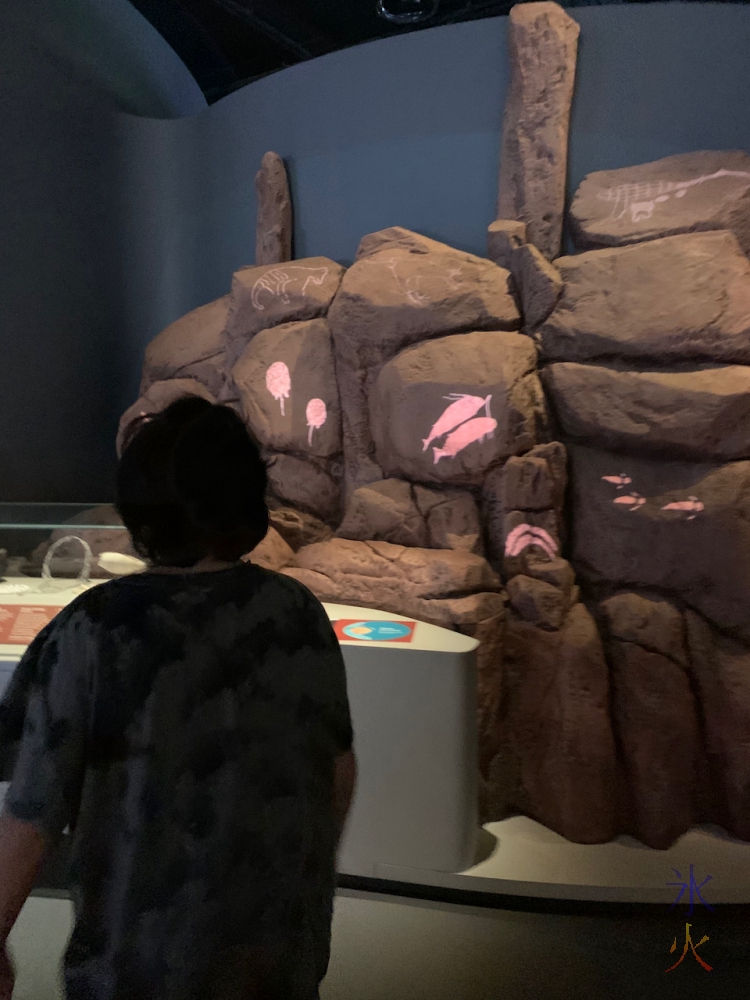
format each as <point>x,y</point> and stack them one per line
<point>524,535</point>
<point>279,382</point>
<point>632,502</point>
<point>692,506</point>
<point>619,481</point>
<point>317,414</point>
<point>462,408</point>
<point>473,430</point>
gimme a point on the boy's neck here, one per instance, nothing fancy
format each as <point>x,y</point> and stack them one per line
<point>207,565</point>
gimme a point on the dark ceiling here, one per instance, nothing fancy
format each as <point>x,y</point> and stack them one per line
<point>228,43</point>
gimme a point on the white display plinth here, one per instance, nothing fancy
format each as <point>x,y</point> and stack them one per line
<point>414,710</point>
<point>414,714</point>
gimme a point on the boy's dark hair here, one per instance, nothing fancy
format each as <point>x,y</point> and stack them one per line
<point>191,483</point>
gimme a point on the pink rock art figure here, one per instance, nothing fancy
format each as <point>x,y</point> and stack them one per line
<point>462,408</point>
<point>279,382</point>
<point>632,501</point>
<point>619,481</point>
<point>280,281</point>
<point>640,198</point>
<point>478,429</point>
<point>317,414</point>
<point>691,506</point>
<point>524,535</point>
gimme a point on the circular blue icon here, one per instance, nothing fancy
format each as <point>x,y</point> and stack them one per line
<point>377,631</point>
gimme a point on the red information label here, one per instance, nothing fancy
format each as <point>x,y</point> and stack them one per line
<point>21,623</point>
<point>373,630</point>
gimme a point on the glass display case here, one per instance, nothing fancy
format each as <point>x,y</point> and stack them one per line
<point>71,542</point>
<point>50,553</point>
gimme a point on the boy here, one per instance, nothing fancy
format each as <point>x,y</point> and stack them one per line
<point>191,725</point>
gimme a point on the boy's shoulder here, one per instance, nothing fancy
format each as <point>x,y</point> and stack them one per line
<point>253,582</point>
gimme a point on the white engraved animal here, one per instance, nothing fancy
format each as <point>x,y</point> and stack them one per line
<point>413,286</point>
<point>280,281</point>
<point>640,198</point>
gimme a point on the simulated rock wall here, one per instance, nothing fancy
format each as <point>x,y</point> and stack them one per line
<point>442,432</point>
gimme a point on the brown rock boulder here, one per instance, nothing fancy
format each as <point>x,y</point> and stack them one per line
<point>679,298</point>
<point>520,535</point>
<point>457,613</point>
<point>556,757</point>
<point>449,409</point>
<point>394,298</point>
<point>288,390</point>
<point>158,397</point>
<point>269,295</point>
<point>503,237</point>
<point>272,553</point>
<point>402,289</point>
<point>703,414</point>
<point>361,467</point>
<point>398,238</point>
<point>452,518</point>
<point>527,482</point>
<point>557,572</point>
<point>191,347</point>
<point>385,511</point>
<point>406,514</point>
<point>670,526</point>
<point>536,601</point>
<point>543,44</point>
<point>539,284</point>
<point>297,527</point>
<point>655,716</point>
<point>648,621</point>
<point>306,485</point>
<point>721,668</point>
<point>679,194</point>
<point>375,574</point>
<point>529,490</point>
<point>273,240</point>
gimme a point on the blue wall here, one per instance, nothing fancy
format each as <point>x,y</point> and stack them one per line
<point>407,131</point>
<point>66,68</point>
<point>400,131</point>
<point>112,48</point>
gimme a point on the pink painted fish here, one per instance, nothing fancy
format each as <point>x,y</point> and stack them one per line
<point>317,414</point>
<point>619,481</point>
<point>633,501</point>
<point>473,430</point>
<point>524,535</point>
<point>279,382</point>
<point>692,504</point>
<point>462,408</point>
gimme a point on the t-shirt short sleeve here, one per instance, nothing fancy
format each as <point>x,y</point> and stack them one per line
<point>50,762</point>
<point>330,677</point>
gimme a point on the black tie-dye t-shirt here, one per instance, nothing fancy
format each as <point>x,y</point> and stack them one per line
<point>185,728</point>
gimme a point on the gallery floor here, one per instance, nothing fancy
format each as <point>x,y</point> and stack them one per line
<point>394,947</point>
<point>391,948</point>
